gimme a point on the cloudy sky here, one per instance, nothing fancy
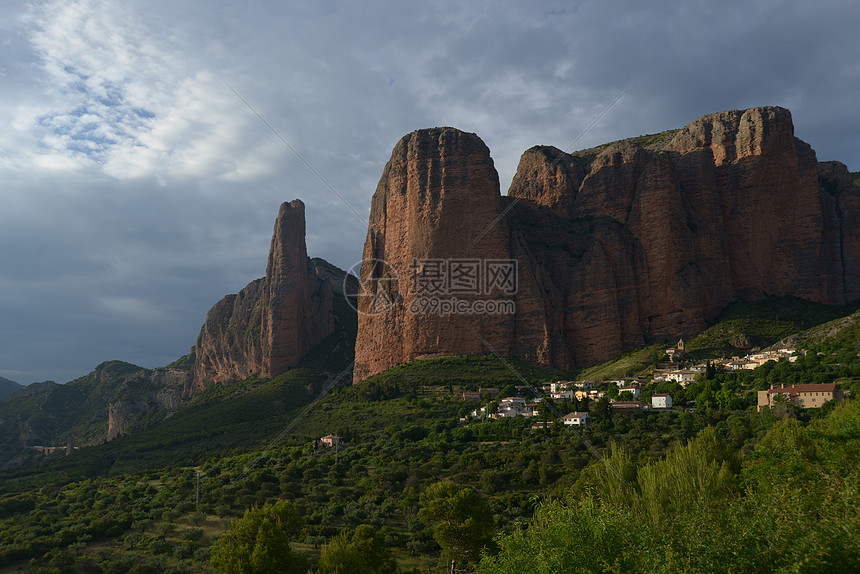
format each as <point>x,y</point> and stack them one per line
<point>136,188</point>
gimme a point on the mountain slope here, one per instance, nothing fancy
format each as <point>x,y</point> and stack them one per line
<point>8,387</point>
<point>92,409</point>
<point>274,321</point>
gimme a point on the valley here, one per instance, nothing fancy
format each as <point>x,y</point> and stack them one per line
<point>644,358</point>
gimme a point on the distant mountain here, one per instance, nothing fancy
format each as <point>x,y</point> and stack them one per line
<point>98,407</point>
<point>8,387</point>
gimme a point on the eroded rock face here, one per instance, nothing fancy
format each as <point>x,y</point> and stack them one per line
<point>273,322</point>
<point>296,302</point>
<point>229,345</point>
<point>120,417</point>
<point>614,245</point>
<point>438,199</point>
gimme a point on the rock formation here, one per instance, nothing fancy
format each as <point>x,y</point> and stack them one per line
<point>273,322</point>
<point>134,397</point>
<point>644,238</point>
<point>438,198</point>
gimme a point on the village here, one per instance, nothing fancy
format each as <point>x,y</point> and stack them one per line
<point>634,395</point>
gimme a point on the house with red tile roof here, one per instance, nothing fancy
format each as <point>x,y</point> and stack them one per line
<point>803,396</point>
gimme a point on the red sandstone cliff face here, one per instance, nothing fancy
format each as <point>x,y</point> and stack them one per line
<point>438,199</point>
<point>615,245</point>
<point>273,322</point>
<point>767,185</point>
<point>296,301</point>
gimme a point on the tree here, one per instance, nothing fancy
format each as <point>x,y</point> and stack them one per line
<point>728,400</point>
<point>599,409</point>
<point>364,553</point>
<point>710,371</point>
<point>260,542</point>
<point>461,520</point>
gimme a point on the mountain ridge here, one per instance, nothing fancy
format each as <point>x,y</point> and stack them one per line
<point>615,246</point>
<point>643,238</point>
<point>8,387</point>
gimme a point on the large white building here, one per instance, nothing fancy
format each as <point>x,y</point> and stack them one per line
<point>661,401</point>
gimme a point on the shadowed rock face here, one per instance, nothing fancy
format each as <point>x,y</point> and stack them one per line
<point>438,194</point>
<point>614,245</point>
<point>273,322</point>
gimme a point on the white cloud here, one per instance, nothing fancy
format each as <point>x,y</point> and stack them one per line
<point>126,100</point>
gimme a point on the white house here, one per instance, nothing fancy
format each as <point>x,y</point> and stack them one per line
<point>634,390</point>
<point>559,386</point>
<point>683,376</point>
<point>505,412</point>
<point>579,419</point>
<point>661,401</point>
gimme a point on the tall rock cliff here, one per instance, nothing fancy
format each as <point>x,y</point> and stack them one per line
<point>438,199</point>
<point>273,322</point>
<point>647,237</point>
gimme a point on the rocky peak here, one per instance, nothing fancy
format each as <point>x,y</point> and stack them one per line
<point>438,199</point>
<point>736,134</point>
<point>273,322</point>
<point>647,237</point>
<point>297,302</point>
<point>549,177</point>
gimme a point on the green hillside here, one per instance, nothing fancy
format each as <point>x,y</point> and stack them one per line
<point>743,326</point>
<point>131,504</point>
<point>467,371</point>
<point>47,413</point>
<point>627,365</point>
<point>8,387</point>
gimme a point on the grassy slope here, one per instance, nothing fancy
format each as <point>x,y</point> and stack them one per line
<point>740,328</point>
<point>466,371</point>
<point>627,365</point>
<point>744,326</point>
<point>217,420</point>
<point>654,142</point>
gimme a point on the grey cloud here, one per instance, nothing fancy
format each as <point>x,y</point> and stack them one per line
<point>120,256</point>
